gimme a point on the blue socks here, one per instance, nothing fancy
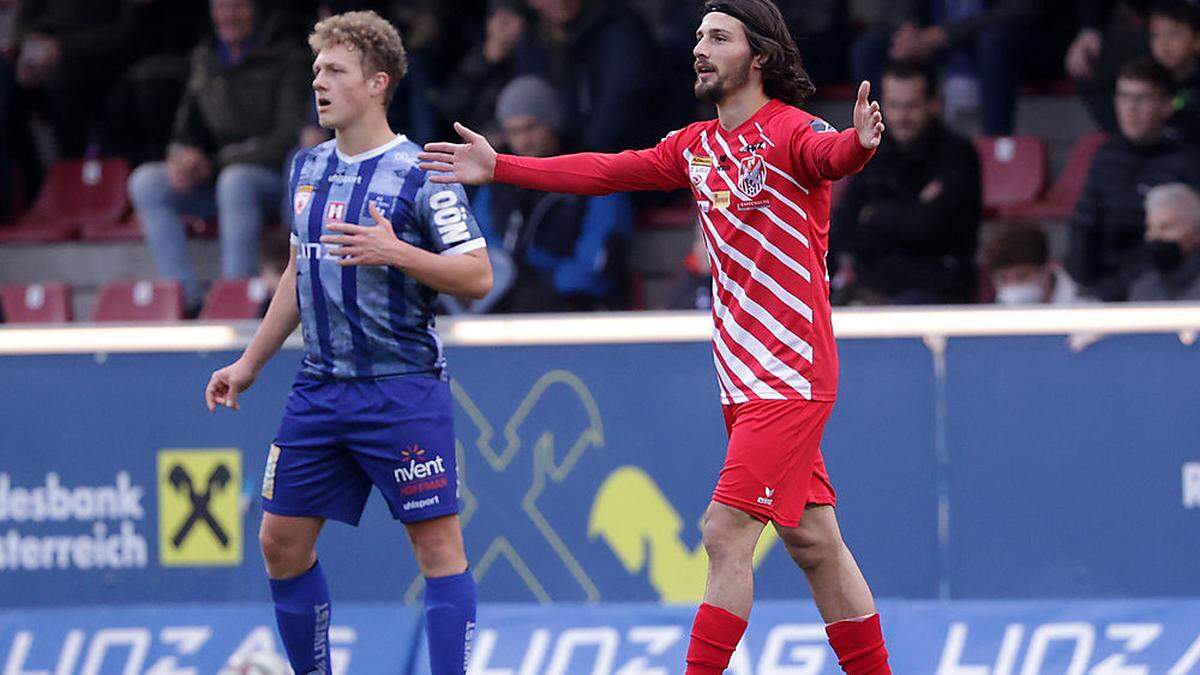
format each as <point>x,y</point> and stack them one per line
<point>449,622</point>
<point>302,612</point>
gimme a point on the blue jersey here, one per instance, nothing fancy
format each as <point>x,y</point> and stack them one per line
<point>371,321</point>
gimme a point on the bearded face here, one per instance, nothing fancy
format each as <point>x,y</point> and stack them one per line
<point>723,57</point>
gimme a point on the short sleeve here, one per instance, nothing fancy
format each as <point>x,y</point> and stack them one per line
<point>445,214</point>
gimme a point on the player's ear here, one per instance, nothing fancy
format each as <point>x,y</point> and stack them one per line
<point>377,85</point>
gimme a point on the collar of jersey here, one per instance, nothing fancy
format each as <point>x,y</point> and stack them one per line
<point>375,152</point>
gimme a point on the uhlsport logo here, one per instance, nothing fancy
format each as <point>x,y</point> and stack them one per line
<point>199,519</point>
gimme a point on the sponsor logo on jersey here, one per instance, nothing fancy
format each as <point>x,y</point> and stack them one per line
<point>821,126</point>
<point>753,205</point>
<point>450,217</point>
<point>699,168</point>
<point>704,205</point>
<point>418,465</point>
<point>752,174</point>
<point>302,197</point>
<point>769,499</point>
<point>721,199</point>
<point>422,503</point>
<point>335,212</point>
<point>385,203</point>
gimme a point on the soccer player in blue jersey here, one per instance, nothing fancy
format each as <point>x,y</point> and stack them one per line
<point>373,242</point>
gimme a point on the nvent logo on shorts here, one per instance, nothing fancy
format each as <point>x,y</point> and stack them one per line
<point>199,519</point>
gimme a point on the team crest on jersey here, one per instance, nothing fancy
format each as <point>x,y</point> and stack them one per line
<point>335,212</point>
<point>302,197</point>
<point>699,168</point>
<point>752,175</point>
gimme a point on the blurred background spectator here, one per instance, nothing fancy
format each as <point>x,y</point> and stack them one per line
<point>569,252</point>
<point>981,48</point>
<point>1173,246</point>
<point>147,81</point>
<point>905,230</point>
<point>1017,260</point>
<point>243,107</point>
<point>1106,242</point>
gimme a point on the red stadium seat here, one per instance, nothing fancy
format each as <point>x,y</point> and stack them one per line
<point>1059,201</point>
<point>233,299</point>
<point>1014,170</point>
<point>36,303</point>
<point>143,300</point>
<point>77,194</point>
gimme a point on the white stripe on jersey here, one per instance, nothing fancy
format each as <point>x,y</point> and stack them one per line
<point>769,189</point>
<point>743,372</point>
<point>781,332</point>
<point>729,392</point>
<point>767,360</point>
<point>758,275</point>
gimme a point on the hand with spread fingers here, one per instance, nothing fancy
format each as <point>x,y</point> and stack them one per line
<point>868,120</point>
<point>469,163</point>
<point>366,244</point>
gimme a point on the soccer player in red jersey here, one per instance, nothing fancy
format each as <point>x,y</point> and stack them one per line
<point>761,175</point>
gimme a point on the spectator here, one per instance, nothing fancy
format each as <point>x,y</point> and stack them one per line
<point>1106,238</point>
<point>974,42</point>
<point>601,58</point>
<point>71,51</point>
<point>1173,244</point>
<point>569,251</point>
<point>909,222</point>
<point>471,95</point>
<point>1112,33</point>
<point>1018,261</point>
<point>1175,43</point>
<point>243,107</point>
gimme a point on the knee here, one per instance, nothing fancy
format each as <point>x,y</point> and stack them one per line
<point>148,184</point>
<point>439,553</point>
<point>811,547</point>
<point>721,538</point>
<point>285,555</point>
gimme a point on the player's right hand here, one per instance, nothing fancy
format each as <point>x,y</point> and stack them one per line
<point>225,385</point>
<point>469,163</point>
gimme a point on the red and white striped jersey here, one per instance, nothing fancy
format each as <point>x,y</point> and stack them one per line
<point>762,192</point>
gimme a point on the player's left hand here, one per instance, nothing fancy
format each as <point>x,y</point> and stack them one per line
<point>868,121</point>
<point>367,245</point>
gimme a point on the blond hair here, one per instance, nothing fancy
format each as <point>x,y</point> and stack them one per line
<point>372,36</point>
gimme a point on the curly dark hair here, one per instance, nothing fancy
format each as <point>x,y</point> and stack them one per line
<point>783,73</point>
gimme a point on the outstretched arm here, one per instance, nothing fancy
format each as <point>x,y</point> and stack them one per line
<point>475,162</point>
<point>832,156</point>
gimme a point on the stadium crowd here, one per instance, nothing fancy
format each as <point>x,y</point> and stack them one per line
<point>207,99</point>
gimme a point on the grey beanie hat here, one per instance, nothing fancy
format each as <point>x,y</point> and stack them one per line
<point>530,95</point>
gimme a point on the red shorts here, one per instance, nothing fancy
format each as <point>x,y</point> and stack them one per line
<point>773,466</point>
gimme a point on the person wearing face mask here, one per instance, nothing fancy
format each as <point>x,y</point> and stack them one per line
<point>1105,248</point>
<point>1018,260</point>
<point>1172,246</point>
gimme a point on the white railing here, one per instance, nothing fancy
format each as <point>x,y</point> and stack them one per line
<point>634,327</point>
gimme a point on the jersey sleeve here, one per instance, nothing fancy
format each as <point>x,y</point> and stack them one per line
<point>594,173</point>
<point>822,153</point>
<point>293,183</point>
<point>445,214</point>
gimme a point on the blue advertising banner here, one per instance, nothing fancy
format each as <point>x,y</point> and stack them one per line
<point>1073,473</point>
<point>784,638</point>
<point>585,472</point>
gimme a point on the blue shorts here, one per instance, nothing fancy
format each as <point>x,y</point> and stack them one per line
<point>340,436</point>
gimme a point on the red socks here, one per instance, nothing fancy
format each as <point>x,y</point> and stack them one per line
<point>715,635</point>
<point>859,646</point>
